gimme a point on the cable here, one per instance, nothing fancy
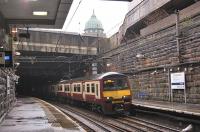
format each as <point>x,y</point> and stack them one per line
<point>73,14</point>
<point>116,25</point>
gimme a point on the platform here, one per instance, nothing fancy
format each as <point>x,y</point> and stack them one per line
<point>32,114</point>
<point>189,109</point>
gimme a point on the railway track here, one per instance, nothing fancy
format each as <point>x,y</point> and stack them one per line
<point>145,125</point>
<point>91,121</point>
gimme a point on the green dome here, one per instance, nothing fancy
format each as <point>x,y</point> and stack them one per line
<point>93,24</point>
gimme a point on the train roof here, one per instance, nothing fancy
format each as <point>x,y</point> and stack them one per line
<point>94,77</point>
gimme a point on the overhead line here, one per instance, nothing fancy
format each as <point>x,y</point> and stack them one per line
<point>73,14</point>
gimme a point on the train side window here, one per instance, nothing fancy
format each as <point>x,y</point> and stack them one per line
<point>74,87</point>
<point>66,87</point>
<point>60,87</point>
<point>97,89</point>
<point>92,87</point>
<point>78,87</point>
<point>88,88</point>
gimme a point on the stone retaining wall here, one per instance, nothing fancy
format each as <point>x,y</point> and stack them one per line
<point>150,73</point>
<point>7,91</point>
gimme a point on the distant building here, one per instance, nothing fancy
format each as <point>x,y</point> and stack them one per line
<point>94,27</point>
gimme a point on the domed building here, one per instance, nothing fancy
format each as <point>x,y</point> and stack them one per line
<point>93,27</point>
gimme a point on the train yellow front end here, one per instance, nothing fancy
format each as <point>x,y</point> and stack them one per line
<point>116,93</point>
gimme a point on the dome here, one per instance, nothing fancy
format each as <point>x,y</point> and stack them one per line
<point>93,24</point>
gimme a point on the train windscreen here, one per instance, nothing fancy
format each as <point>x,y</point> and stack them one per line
<point>115,84</point>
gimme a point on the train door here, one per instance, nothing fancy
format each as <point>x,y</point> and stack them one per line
<point>83,91</point>
<point>97,90</point>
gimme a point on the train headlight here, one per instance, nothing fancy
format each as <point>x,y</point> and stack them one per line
<point>126,98</point>
<point>108,99</point>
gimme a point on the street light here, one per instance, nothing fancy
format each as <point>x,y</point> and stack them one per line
<point>139,55</point>
<point>17,53</point>
<point>16,65</point>
<point>108,64</point>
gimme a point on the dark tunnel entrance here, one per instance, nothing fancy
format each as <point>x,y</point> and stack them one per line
<point>36,76</point>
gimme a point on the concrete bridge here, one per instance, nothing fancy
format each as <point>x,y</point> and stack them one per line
<point>51,41</point>
<point>54,48</point>
<point>48,56</point>
<point>148,12</point>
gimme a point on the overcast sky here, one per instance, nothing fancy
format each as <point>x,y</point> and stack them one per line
<point>110,13</point>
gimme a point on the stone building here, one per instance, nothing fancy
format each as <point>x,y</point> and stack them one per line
<point>94,27</point>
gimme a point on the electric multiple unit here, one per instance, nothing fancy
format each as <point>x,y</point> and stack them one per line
<point>108,92</point>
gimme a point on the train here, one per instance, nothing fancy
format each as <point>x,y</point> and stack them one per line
<point>109,93</point>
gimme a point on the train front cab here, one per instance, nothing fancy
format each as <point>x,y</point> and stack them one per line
<point>116,94</point>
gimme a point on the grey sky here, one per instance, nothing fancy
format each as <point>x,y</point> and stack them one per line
<point>110,13</point>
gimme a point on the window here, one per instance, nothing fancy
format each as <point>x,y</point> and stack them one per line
<point>75,87</point>
<point>92,87</point>
<point>88,88</point>
<point>60,88</point>
<point>97,92</point>
<point>115,84</point>
<point>66,87</point>
<point>78,88</point>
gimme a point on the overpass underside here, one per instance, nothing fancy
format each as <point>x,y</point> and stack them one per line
<point>37,69</point>
<point>49,56</point>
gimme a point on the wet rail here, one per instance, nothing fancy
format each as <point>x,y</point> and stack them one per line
<point>146,125</point>
<point>91,121</point>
